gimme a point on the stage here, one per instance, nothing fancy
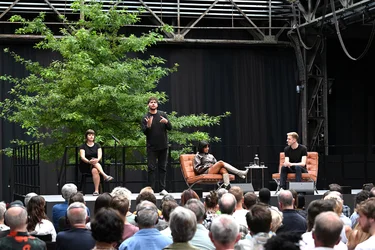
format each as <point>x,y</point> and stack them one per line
<point>51,200</point>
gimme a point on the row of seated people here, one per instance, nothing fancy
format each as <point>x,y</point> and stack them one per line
<point>226,219</point>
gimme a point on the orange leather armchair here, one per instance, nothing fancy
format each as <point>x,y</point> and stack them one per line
<point>312,166</point>
<point>187,169</point>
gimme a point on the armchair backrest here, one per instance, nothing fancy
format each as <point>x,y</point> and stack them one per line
<point>187,165</point>
<point>312,163</point>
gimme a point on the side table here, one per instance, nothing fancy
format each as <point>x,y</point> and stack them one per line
<point>251,167</point>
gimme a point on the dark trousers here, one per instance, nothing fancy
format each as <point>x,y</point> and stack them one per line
<point>157,158</point>
<point>293,169</point>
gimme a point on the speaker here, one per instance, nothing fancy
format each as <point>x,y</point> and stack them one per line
<point>246,187</point>
<point>302,187</point>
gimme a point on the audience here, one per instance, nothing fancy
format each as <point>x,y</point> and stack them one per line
<point>103,200</point>
<point>77,237</point>
<point>166,210</point>
<point>366,211</point>
<point>361,196</point>
<point>59,210</point>
<point>38,222</point>
<point>187,195</point>
<point>283,241</point>
<point>201,239</point>
<point>264,197</point>
<point>28,197</point>
<point>327,229</point>
<point>183,224</point>
<point>149,196</point>
<point>107,229</point>
<point>224,232</point>
<point>239,213</point>
<point>19,238</point>
<point>249,200</point>
<point>211,203</point>
<point>4,229</point>
<point>148,237</point>
<point>124,193</point>
<point>336,187</point>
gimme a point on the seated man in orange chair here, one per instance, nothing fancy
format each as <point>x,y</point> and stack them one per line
<point>295,159</point>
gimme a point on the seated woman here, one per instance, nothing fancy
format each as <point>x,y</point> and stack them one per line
<point>91,154</point>
<point>38,223</point>
<point>205,163</point>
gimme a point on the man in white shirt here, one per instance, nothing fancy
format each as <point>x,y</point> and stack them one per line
<point>366,211</point>
<point>240,213</point>
<point>327,230</point>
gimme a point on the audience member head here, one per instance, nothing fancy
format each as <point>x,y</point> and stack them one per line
<point>283,241</point>
<point>335,187</point>
<point>77,214</point>
<point>3,208</point>
<point>145,196</point>
<point>197,207</point>
<point>338,201</point>
<point>77,197</point>
<point>147,214</point>
<point>122,193</point>
<point>285,199</point>
<point>220,192</point>
<point>249,200</point>
<point>366,211</point>
<point>295,197</point>
<point>224,232</point>
<point>36,212</point>
<point>28,197</point>
<point>183,224</point>
<point>147,189</point>
<point>202,145</point>
<point>167,197</point>
<point>107,226</point>
<point>372,192</point>
<point>103,200</point>
<point>361,196</point>
<point>259,219</point>
<point>120,205</point>
<point>301,201</point>
<point>187,195</point>
<point>238,194</point>
<point>264,195</point>
<point>211,201</point>
<point>167,209</point>
<point>368,186</point>
<point>68,190</point>
<point>327,229</point>
<point>16,218</point>
<point>227,204</point>
<point>315,208</point>
<point>277,219</point>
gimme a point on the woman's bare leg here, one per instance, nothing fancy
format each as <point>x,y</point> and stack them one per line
<point>100,170</point>
<point>221,164</point>
<point>217,168</point>
<point>95,178</point>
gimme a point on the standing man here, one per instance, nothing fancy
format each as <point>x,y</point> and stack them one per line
<point>155,125</point>
<point>295,159</point>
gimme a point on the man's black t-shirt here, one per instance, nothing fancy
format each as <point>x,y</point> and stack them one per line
<point>90,152</point>
<point>295,155</point>
<point>156,136</point>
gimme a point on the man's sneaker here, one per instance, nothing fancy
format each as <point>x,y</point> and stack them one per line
<point>163,192</point>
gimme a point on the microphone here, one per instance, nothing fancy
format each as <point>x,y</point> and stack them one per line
<point>117,140</point>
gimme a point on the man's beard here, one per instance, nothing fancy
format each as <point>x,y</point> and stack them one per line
<point>366,227</point>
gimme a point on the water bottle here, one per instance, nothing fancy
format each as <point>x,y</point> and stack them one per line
<point>256,160</point>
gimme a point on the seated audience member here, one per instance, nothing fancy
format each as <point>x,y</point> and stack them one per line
<point>292,220</point>
<point>28,197</point>
<point>315,208</point>
<point>147,189</point>
<point>183,224</point>
<point>103,200</point>
<point>356,236</point>
<point>201,239</point>
<point>296,198</point>
<point>148,196</point>
<point>220,192</point>
<point>366,211</point>
<point>240,213</point>
<point>187,195</point>
<point>59,210</point>
<point>148,237</point>
<point>4,229</point>
<point>122,206</point>
<point>167,197</point>
<point>211,204</point>
<point>327,229</point>
<point>122,192</point>
<point>259,220</point>
<point>277,220</point>
<point>361,196</point>
<point>107,229</point>
<point>77,237</point>
<point>166,210</point>
<point>264,197</point>
<point>283,241</point>
<point>249,200</point>
<point>224,232</point>
<point>77,197</point>
<point>19,238</point>
<point>368,186</point>
<point>337,188</point>
<point>38,222</point>
<point>301,205</point>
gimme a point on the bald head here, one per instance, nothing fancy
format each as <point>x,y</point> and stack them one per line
<point>227,203</point>
<point>285,199</point>
<point>16,218</point>
<point>327,229</point>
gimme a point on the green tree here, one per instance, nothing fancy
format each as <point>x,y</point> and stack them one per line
<point>96,84</point>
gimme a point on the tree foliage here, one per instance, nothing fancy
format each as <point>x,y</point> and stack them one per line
<point>98,83</point>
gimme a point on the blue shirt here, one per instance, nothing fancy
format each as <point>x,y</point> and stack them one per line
<point>149,239</point>
<point>58,211</point>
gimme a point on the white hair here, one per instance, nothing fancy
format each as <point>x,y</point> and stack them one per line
<point>121,193</point>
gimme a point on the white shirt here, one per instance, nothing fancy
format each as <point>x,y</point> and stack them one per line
<point>240,216</point>
<point>43,228</point>
<point>308,243</point>
<point>368,244</point>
